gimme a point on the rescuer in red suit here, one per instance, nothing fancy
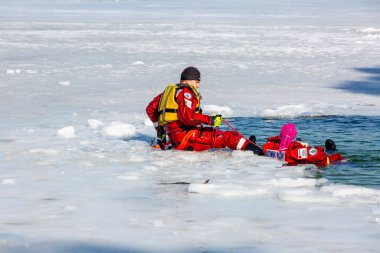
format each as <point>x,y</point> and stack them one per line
<point>185,123</point>
<point>285,147</point>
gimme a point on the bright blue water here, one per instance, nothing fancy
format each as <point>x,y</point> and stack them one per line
<point>356,137</point>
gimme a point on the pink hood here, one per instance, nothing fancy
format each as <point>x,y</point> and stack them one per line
<point>287,135</point>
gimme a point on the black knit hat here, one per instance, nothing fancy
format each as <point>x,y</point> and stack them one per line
<point>191,73</point>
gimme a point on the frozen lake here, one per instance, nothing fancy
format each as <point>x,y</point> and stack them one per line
<point>77,175</point>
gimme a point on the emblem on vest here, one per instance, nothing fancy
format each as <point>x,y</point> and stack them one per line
<point>187,95</point>
<point>313,151</point>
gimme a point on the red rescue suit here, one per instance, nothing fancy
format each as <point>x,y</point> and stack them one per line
<point>187,133</point>
<point>299,153</point>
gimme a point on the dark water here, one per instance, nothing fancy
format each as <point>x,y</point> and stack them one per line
<point>356,137</point>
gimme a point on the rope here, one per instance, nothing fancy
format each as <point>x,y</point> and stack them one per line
<point>242,136</point>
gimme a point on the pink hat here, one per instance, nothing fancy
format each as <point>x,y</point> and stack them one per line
<point>288,134</point>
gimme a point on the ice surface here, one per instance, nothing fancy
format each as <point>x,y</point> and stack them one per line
<point>87,69</point>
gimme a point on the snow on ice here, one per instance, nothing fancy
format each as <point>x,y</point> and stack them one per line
<point>106,190</point>
<point>13,71</point>
<point>8,181</point>
<point>138,63</point>
<point>94,123</point>
<point>65,83</point>
<point>215,109</point>
<point>67,132</point>
<point>119,129</point>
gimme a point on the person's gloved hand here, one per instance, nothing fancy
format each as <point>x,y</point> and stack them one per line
<point>216,120</point>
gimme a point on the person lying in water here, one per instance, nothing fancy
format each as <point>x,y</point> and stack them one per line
<point>286,147</point>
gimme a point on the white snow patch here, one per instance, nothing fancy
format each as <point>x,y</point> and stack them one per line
<point>216,109</point>
<point>289,111</point>
<point>67,132</point>
<point>65,83</point>
<point>119,129</point>
<point>138,63</point>
<point>13,71</point>
<point>8,181</point>
<point>372,36</point>
<point>94,123</point>
<point>370,30</point>
<point>148,122</point>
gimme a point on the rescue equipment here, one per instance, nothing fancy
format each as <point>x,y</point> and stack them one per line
<point>168,106</point>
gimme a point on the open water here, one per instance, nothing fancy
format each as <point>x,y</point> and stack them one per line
<point>356,137</point>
